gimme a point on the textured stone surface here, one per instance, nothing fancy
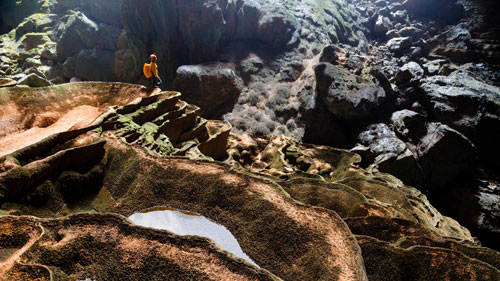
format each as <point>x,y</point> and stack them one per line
<point>445,154</point>
<point>469,106</point>
<point>346,95</point>
<point>123,167</point>
<point>215,88</point>
<point>33,80</point>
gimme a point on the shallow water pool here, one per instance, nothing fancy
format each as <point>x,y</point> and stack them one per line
<point>186,223</point>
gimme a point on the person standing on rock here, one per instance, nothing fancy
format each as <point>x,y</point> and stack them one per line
<point>151,72</point>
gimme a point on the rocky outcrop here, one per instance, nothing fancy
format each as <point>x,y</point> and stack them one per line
<point>77,33</point>
<point>198,32</point>
<point>164,125</point>
<point>89,47</point>
<point>215,88</point>
<point>72,105</point>
<point>431,158</point>
<point>390,154</point>
<point>346,95</point>
<point>34,80</point>
<point>410,72</point>
<point>467,105</point>
<point>445,154</point>
<point>53,33</point>
<point>286,202</point>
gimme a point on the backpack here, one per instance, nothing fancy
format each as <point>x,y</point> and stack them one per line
<point>147,70</point>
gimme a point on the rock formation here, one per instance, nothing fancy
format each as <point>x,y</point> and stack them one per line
<point>349,140</point>
<point>286,202</point>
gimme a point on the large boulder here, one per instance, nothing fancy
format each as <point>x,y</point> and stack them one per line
<point>382,25</point>
<point>408,125</point>
<point>214,88</point>
<point>77,32</point>
<point>391,154</point>
<point>460,101</point>
<point>469,106</point>
<point>399,45</point>
<point>34,80</point>
<point>346,95</point>
<point>445,155</point>
<point>410,72</point>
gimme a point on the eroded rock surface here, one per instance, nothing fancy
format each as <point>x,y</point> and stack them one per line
<point>415,84</point>
<point>215,87</point>
<point>107,246</point>
<point>347,96</point>
<point>124,167</point>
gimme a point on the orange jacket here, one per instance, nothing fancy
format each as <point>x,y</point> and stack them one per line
<point>150,69</point>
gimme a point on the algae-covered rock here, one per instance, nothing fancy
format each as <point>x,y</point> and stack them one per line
<point>77,32</point>
<point>13,12</point>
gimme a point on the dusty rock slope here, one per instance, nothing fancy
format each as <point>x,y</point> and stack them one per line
<point>299,211</point>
